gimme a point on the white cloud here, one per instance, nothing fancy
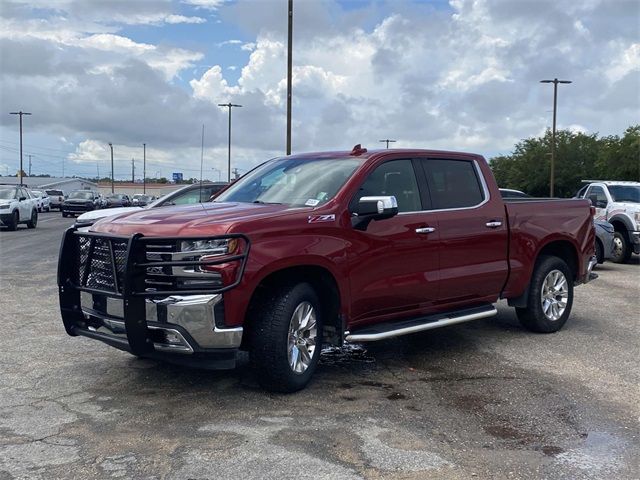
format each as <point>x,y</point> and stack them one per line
<point>173,19</point>
<point>206,4</point>
<point>459,78</point>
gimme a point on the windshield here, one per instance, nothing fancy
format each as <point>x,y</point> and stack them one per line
<point>625,193</point>
<point>292,181</point>
<point>82,195</point>
<point>37,193</point>
<point>7,193</point>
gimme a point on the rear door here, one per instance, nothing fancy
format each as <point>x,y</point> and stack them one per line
<point>472,231</point>
<point>396,271</point>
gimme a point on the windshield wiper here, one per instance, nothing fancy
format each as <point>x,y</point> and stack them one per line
<point>266,203</point>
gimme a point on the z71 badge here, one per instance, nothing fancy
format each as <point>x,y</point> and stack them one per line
<point>322,218</point>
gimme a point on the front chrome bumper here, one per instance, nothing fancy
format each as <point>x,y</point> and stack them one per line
<point>187,323</point>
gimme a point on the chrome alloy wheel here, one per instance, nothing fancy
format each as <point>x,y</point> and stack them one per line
<point>303,332</point>
<point>618,247</point>
<point>554,295</point>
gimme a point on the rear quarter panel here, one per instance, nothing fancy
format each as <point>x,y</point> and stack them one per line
<point>533,224</point>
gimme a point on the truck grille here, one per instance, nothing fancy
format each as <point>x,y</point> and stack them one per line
<point>102,265</point>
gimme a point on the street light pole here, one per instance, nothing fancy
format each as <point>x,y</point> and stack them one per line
<point>229,106</point>
<point>555,82</point>
<point>20,113</point>
<point>289,74</point>
<point>144,168</point>
<point>111,147</point>
<point>387,141</point>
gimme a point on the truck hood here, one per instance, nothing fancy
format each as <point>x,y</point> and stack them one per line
<point>95,215</point>
<point>203,218</point>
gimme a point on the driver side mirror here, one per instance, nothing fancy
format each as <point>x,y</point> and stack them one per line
<point>22,199</point>
<point>597,203</point>
<point>373,208</point>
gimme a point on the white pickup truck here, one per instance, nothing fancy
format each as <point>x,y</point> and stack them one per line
<point>17,205</point>
<point>618,203</point>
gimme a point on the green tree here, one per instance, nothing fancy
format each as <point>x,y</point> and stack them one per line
<point>578,157</point>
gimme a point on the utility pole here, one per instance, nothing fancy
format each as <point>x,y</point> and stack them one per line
<point>20,113</point>
<point>555,82</point>
<point>98,168</point>
<point>229,106</point>
<point>289,69</point>
<point>387,141</point>
<point>144,168</point>
<point>133,171</point>
<point>111,147</point>
<point>30,163</point>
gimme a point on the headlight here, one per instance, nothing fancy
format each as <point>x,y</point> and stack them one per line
<point>210,247</point>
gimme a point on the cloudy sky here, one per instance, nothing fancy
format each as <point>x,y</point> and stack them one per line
<point>458,74</point>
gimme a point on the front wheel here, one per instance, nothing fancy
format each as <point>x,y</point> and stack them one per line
<point>599,252</point>
<point>621,248</point>
<point>286,338</point>
<point>550,296</point>
<point>12,224</point>
<point>33,221</point>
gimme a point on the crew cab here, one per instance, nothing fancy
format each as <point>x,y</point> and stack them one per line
<point>17,206</point>
<point>322,248</point>
<point>618,203</point>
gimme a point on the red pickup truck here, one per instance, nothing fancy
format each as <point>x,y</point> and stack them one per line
<point>322,248</point>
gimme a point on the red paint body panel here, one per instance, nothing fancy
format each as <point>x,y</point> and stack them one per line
<point>387,271</point>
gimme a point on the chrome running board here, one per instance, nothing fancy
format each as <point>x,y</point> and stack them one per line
<point>388,330</point>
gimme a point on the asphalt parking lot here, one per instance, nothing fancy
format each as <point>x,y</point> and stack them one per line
<point>481,400</point>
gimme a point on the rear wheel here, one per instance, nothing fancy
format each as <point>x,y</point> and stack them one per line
<point>33,221</point>
<point>621,248</point>
<point>286,338</point>
<point>13,223</point>
<point>550,296</point>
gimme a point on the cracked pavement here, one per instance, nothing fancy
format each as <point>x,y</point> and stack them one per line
<point>480,400</point>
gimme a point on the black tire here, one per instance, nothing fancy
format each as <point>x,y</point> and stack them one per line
<point>269,329</point>
<point>599,251</point>
<point>15,219</point>
<point>64,214</point>
<point>33,221</point>
<point>533,317</point>
<point>621,248</point>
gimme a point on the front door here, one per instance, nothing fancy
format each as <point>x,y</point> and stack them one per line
<point>397,259</point>
<point>598,198</point>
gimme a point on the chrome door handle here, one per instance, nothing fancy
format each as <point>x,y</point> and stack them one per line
<point>494,224</point>
<point>425,230</point>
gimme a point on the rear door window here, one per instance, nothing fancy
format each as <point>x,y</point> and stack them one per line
<point>453,183</point>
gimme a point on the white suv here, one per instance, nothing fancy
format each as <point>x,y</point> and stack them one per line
<point>17,206</point>
<point>619,204</point>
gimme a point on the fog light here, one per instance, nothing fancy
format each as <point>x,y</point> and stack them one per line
<point>173,338</point>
